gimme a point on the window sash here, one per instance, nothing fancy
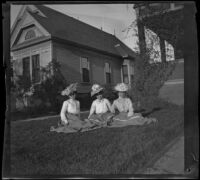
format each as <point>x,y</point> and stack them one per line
<point>84,63</point>
<point>26,66</point>
<point>108,78</point>
<point>35,68</point>
<point>26,71</point>
<point>107,68</point>
<point>125,69</point>
<point>132,77</point>
<point>85,75</point>
<point>132,70</point>
<point>125,79</point>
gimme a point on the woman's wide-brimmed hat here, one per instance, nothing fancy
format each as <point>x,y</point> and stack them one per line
<point>121,87</point>
<point>70,89</point>
<point>96,88</point>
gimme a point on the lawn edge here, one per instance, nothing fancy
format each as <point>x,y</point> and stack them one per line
<point>159,154</point>
<point>41,118</point>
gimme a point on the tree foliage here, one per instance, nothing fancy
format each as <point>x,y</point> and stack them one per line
<point>149,74</point>
<point>49,89</point>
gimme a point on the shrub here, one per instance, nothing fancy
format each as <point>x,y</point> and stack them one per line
<point>85,101</point>
<point>51,86</point>
<point>109,93</point>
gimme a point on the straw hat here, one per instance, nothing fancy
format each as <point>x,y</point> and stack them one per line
<point>122,87</point>
<point>68,90</point>
<point>96,88</point>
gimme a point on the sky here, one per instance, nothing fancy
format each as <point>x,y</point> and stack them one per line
<point>112,18</point>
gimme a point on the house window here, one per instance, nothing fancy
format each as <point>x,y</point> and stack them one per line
<point>35,68</point>
<point>169,51</point>
<point>132,73</point>
<point>107,73</point>
<point>30,34</point>
<point>125,73</point>
<point>85,70</point>
<point>26,71</point>
<point>132,78</point>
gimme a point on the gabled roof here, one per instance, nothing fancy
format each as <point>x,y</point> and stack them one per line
<point>64,27</point>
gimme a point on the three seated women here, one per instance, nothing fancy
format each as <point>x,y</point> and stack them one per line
<point>102,113</point>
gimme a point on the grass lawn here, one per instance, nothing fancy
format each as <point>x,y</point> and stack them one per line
<point>36,151</point>
<point>173,93</point>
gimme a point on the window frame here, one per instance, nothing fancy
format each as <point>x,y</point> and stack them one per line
<point>109,72</point>
<point>81,69</point>
<point>123,74</point>
<point>31,37</point>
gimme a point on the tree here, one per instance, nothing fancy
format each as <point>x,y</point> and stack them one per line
<point>150,75</point>
<point>47,91</point>
<point>53,82</point>
<point>20,85</point>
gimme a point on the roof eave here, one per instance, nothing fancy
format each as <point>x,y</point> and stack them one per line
<point>84,46</point>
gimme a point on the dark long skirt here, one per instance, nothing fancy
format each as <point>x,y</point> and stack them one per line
<point>102,119</point>
<point>74,125</point>
<point>122,119</point>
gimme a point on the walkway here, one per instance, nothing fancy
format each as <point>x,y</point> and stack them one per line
<point>172,162</point>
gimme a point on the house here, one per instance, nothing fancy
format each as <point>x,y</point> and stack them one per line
<point>87,55</point>
<point>162,13</point>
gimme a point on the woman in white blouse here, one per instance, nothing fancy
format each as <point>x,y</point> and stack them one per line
<point>100,111</point>
<point>70,112</point>
<point>125,108</point>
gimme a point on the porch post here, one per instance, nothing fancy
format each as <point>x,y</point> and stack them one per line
<point>129,75</point>
<point>122,80</point>
<point>141,35</point>
<point>162,49</point>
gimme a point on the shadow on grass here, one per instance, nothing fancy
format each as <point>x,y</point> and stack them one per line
<point>146,113</point>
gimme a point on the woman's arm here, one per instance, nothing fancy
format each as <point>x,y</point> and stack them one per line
<point>63,112</point>
<point>109,106</point>
<point>113,107</point>
<point>130,108</point>
<point>78,108</point>
<point>92,110</point>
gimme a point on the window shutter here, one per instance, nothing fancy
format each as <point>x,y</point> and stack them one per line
<point>88,65</point>
<point>18,67</point>
<point>107,68</point>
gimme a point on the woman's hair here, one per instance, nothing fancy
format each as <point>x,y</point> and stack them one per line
<point>100,92</point>
<point>72,93</point>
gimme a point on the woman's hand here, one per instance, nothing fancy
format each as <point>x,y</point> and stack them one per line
<point>65,122</point>
<point>130,113</point>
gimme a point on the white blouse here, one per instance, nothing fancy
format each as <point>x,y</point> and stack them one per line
<point>100,106</point>
<point>123,105</point>
<point>69,106</point>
